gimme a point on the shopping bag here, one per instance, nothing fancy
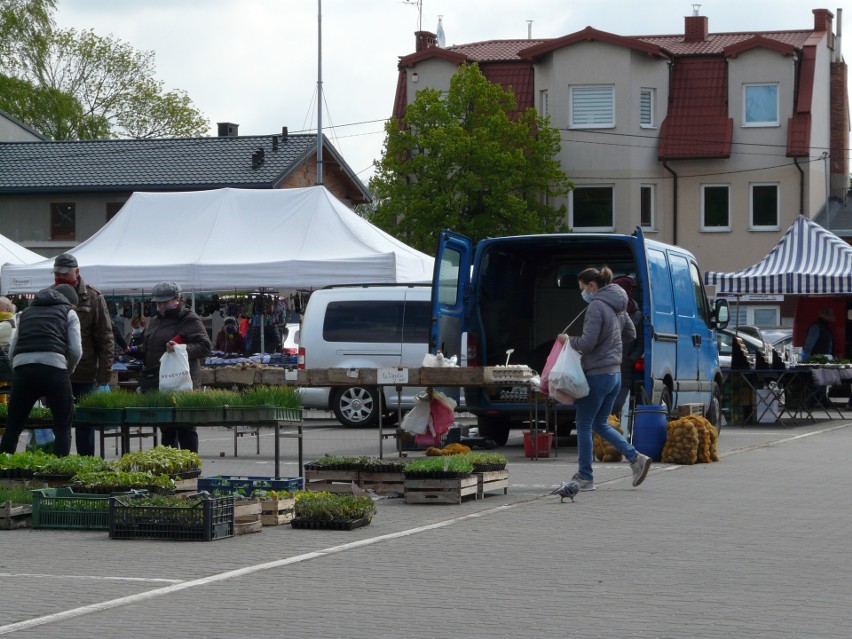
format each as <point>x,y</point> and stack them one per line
<point>548,365</point>
<point>567,373</point>
<point>42,439</point>
<point>417,419</point>
<point>174,369</point>
<point>441,410</point>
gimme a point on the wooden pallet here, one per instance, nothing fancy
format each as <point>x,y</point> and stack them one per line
<point>12,517</point>
<point>382,483</point>
<point>247,516</point>
<point>492,481</point>
<point>440,491</point>
<point>332,481</point>
<point>276,512</point>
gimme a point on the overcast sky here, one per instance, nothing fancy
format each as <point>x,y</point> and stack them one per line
<point>254,62</point>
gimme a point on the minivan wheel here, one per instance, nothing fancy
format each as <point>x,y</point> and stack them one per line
<point>494,428</point>
<point>714,411</point>
<point>356,406</point>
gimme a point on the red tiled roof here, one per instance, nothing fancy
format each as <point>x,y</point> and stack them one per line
<point>716,43</point>
<point>759,41</point>
<point>799,135</point>
<point>590,34</point>
<point>494,50</point>
<point>518,77</point>
<point>697,125</point>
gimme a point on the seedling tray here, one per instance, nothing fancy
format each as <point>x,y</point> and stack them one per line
<point>199,415</point>
<point>66,509</point>
<point>202,519</point>
<point>338,524</point>
<point>149,415</point>
<point>245,486</point>
<point>86,415</point>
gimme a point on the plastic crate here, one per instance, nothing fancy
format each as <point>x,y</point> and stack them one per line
<point>202,519</point>
<point>199,415</point>
<point>148,415</point>
<point>87,415</point>
<point>63,508</point>
<point>245,486</point>
<point>249,414</point>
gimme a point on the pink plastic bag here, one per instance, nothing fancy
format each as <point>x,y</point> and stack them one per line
<point>442,416</point>
<point>551,360</point>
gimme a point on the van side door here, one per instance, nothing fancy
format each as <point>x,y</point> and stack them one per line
<point>690,337</point>
<point>450,286</point>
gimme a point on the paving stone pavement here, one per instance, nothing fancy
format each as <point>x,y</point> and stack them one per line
<point>752,546</point>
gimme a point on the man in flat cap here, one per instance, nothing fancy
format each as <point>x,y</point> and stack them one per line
<point>95,367</point>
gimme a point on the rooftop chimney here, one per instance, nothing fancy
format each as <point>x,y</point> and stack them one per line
<point>284,132</point>
<point>424,40</point>
<point>822,19</point>
<point>228,129</point>
<point>695,27</point>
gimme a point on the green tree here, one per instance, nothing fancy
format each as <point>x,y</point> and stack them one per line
<point>56,114</point>
<point>112,81</point>
<point>23,23</point>
<point>460,161</point>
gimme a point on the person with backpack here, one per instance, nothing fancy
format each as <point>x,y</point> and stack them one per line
<point>45,350</point>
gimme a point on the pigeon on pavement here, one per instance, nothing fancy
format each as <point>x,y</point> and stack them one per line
<point>567,489</point>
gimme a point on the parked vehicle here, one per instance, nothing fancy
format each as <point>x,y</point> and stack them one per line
<point>725,339</point>
<point>364,326</point>
<point>780,338</point>
<point>520,292</point>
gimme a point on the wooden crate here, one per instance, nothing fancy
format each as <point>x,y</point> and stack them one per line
<point>237,375</point>
<point>440,491</point>
<point>382,483</point>
<point>12,517</point>
<point>684,410</point>
<point>277,511</point>
<point>247,516</point>
<point>492,481</point>
<point>272,375</point>
<point>333,481</point>
<point>186,485</point>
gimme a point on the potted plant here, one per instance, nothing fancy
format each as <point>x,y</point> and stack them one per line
<point>102,408</point>
<point>64,468</point>
<point>485,461</point>
<point>203,406</point>
<point>266,403</point>
<point>332,511</point>
<point>117,481</point>
<point>199,517</point>
<point>22,465</point>
<point>450,466</point>
<point>175,462</point>
<point>332,462</point>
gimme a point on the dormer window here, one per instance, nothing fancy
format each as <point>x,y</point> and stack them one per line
<point>592,107</point>
<point>760,105</point>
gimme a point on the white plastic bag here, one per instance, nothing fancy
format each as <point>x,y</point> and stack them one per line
<point>174,370</point>
<point>417,419</point>
<point>567,373</point>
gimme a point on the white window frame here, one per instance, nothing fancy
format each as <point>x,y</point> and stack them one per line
<point>652,225</point>
<point>757,227</point>
<point>715,229</point>
<point>760,123</point>
<point>650,93</point>
<point>750,315</point>
<point>543,103</point>
<point>595,121</point>
<point>592,229</point>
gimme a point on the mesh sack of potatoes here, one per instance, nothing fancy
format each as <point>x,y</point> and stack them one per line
<point>604,451</point>
<point>707,437</point>
<point>681,445</point>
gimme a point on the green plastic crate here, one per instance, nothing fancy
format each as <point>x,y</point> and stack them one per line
<point>199,415</point>
<point>148,415</point>
<point>63,508</point>
<point>87,415</point>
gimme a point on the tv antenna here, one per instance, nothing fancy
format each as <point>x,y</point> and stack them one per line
<point>419,5</point>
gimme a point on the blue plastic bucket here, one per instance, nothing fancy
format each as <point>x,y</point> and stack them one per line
<point>649,430</point>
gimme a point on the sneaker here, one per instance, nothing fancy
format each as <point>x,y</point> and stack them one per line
<point>585,484</point>
<point>640,468</point>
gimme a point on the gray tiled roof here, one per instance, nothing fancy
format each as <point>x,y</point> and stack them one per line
<point>161,164</point>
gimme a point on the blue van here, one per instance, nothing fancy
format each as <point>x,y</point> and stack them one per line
<point>515,294</point>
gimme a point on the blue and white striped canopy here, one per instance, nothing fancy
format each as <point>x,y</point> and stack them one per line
<point>808,260</point>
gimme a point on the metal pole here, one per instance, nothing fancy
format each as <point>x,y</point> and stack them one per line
<point>319,92</point>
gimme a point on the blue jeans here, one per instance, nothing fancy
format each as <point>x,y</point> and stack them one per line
<point>592,413</point>
<point>84,436</point>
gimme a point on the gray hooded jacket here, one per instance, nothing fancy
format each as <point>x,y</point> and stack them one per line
<point>605,328</point>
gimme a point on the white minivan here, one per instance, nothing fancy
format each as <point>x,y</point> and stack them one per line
<point>364,326</point>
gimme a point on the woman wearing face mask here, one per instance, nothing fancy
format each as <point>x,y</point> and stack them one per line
<point>175,323</point>
<point>605,327</point>
<point>229,339</point>
<point>136,337</point>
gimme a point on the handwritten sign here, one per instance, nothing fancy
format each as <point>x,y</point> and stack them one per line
<point>392,375</point>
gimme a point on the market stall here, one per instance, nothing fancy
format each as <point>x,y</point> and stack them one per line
<point>233,240</point>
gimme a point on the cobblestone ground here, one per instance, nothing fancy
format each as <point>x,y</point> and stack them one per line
<point>752,546</point>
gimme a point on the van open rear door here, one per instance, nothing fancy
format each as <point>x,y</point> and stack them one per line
<point>450,284</point>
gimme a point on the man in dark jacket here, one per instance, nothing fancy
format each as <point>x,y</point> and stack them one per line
<point>95,367</point>
<point>44,351</point>
<point>175,323</point>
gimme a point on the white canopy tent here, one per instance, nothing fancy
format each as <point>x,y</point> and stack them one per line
<point>12,253</point>
<point>233,240</point>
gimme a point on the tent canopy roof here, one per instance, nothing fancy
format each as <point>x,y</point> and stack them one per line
<point>234,239</point>
<point>808,260</point>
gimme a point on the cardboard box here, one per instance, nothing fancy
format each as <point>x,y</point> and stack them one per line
<point>690,409</point>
